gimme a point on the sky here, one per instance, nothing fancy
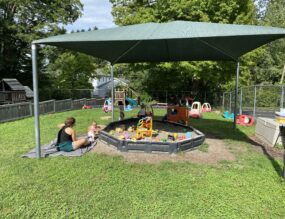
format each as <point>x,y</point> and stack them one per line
<point>95,13</point>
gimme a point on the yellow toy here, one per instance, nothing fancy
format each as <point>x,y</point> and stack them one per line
<point>121,137</point>
<point>144,128</point>
<point>119,130</point>
<point>130,129</point>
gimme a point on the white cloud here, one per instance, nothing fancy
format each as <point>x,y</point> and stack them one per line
<point>95,13</point>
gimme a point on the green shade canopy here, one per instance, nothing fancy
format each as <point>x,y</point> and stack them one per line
<point>160,42</point>
<point>166,42</point>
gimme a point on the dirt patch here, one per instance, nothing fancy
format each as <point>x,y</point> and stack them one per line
<point>216,153</point>
<point>265,149</point>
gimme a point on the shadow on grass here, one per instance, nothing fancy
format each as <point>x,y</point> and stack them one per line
<point>269,154</point>
<point>223,129</point>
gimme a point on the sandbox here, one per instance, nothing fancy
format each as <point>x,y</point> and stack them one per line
<point>161,141</point>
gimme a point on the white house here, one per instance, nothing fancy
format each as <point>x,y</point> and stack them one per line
<point>102,85</point>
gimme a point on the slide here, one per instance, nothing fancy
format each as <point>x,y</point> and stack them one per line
<point>131,101</point>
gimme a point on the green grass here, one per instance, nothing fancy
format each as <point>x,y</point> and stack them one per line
<point>203,147</point>
<point>101,186</point>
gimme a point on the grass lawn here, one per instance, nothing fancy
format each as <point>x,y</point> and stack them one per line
<point>101,186</point>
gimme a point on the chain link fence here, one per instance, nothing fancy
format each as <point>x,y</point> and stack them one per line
<point>164,96</point>
<point>258,100</point>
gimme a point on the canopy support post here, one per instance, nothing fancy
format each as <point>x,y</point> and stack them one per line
<point>112,90</point>
<point>236,95</point>
<point>36,101</point>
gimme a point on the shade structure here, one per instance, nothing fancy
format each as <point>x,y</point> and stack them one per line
<point>161,42</point>
<point>166,42</point>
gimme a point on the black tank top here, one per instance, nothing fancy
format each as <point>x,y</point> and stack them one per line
<point>63,136</point>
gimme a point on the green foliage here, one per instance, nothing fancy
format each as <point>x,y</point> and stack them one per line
<point>102,186</point>
<point>23,21</point>
<point>270,65</point>
<point>197,77</point>
<point>268,97</point>
<point>195,10</point>
<point>73,71</point>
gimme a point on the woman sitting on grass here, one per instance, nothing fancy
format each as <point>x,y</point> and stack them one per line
<point>66,138</point>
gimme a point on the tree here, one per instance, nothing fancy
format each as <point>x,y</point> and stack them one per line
<point>23,21</point>
<point>73,70</point>
<point>195,76</point>
<point>71,74</point>
<point>271,63</point>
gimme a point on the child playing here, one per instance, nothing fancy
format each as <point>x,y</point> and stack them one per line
<point>93,131</point>
<point>121,108</point>
<point>142,112</point>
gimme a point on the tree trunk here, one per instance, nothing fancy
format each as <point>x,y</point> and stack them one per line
<point>282,77</point>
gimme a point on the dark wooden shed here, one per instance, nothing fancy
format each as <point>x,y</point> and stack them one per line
<point>11,91</point>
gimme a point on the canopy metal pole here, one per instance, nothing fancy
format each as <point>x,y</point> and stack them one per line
<point>240,101</point>
<point>236,94</point>
<point>112,92</point>
<point>254,101</point>
<point>36,101</point>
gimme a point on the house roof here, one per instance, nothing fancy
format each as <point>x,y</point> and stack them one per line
<point>14,84</point>
<point>117,82</point>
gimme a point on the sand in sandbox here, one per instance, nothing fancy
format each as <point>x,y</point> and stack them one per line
<point>162,131</point>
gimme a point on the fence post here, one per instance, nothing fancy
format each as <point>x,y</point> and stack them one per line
<point>230,107</point>
<point>54,106</point>
<point>71,104</point>
<point>254,101</point>
<point>166,96</point>
<point>282,97</point>
<point>240,101</point>
<point>31,108</point>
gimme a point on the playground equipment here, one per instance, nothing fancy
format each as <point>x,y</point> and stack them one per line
<point>120,95</point>
<point>107,107</point>
<point>132,102</point>
<point>245,120</point>
<point>178,114</point>
<point>196,110</point>
<point>144,128</point>
<point>128,108</point>
<point>86,106</point>
<point>206,107</point>
<point>184,137</point>
<point>226,115</point>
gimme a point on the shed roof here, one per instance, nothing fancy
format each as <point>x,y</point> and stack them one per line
<point>14,84</point>
<point>29,92</point>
